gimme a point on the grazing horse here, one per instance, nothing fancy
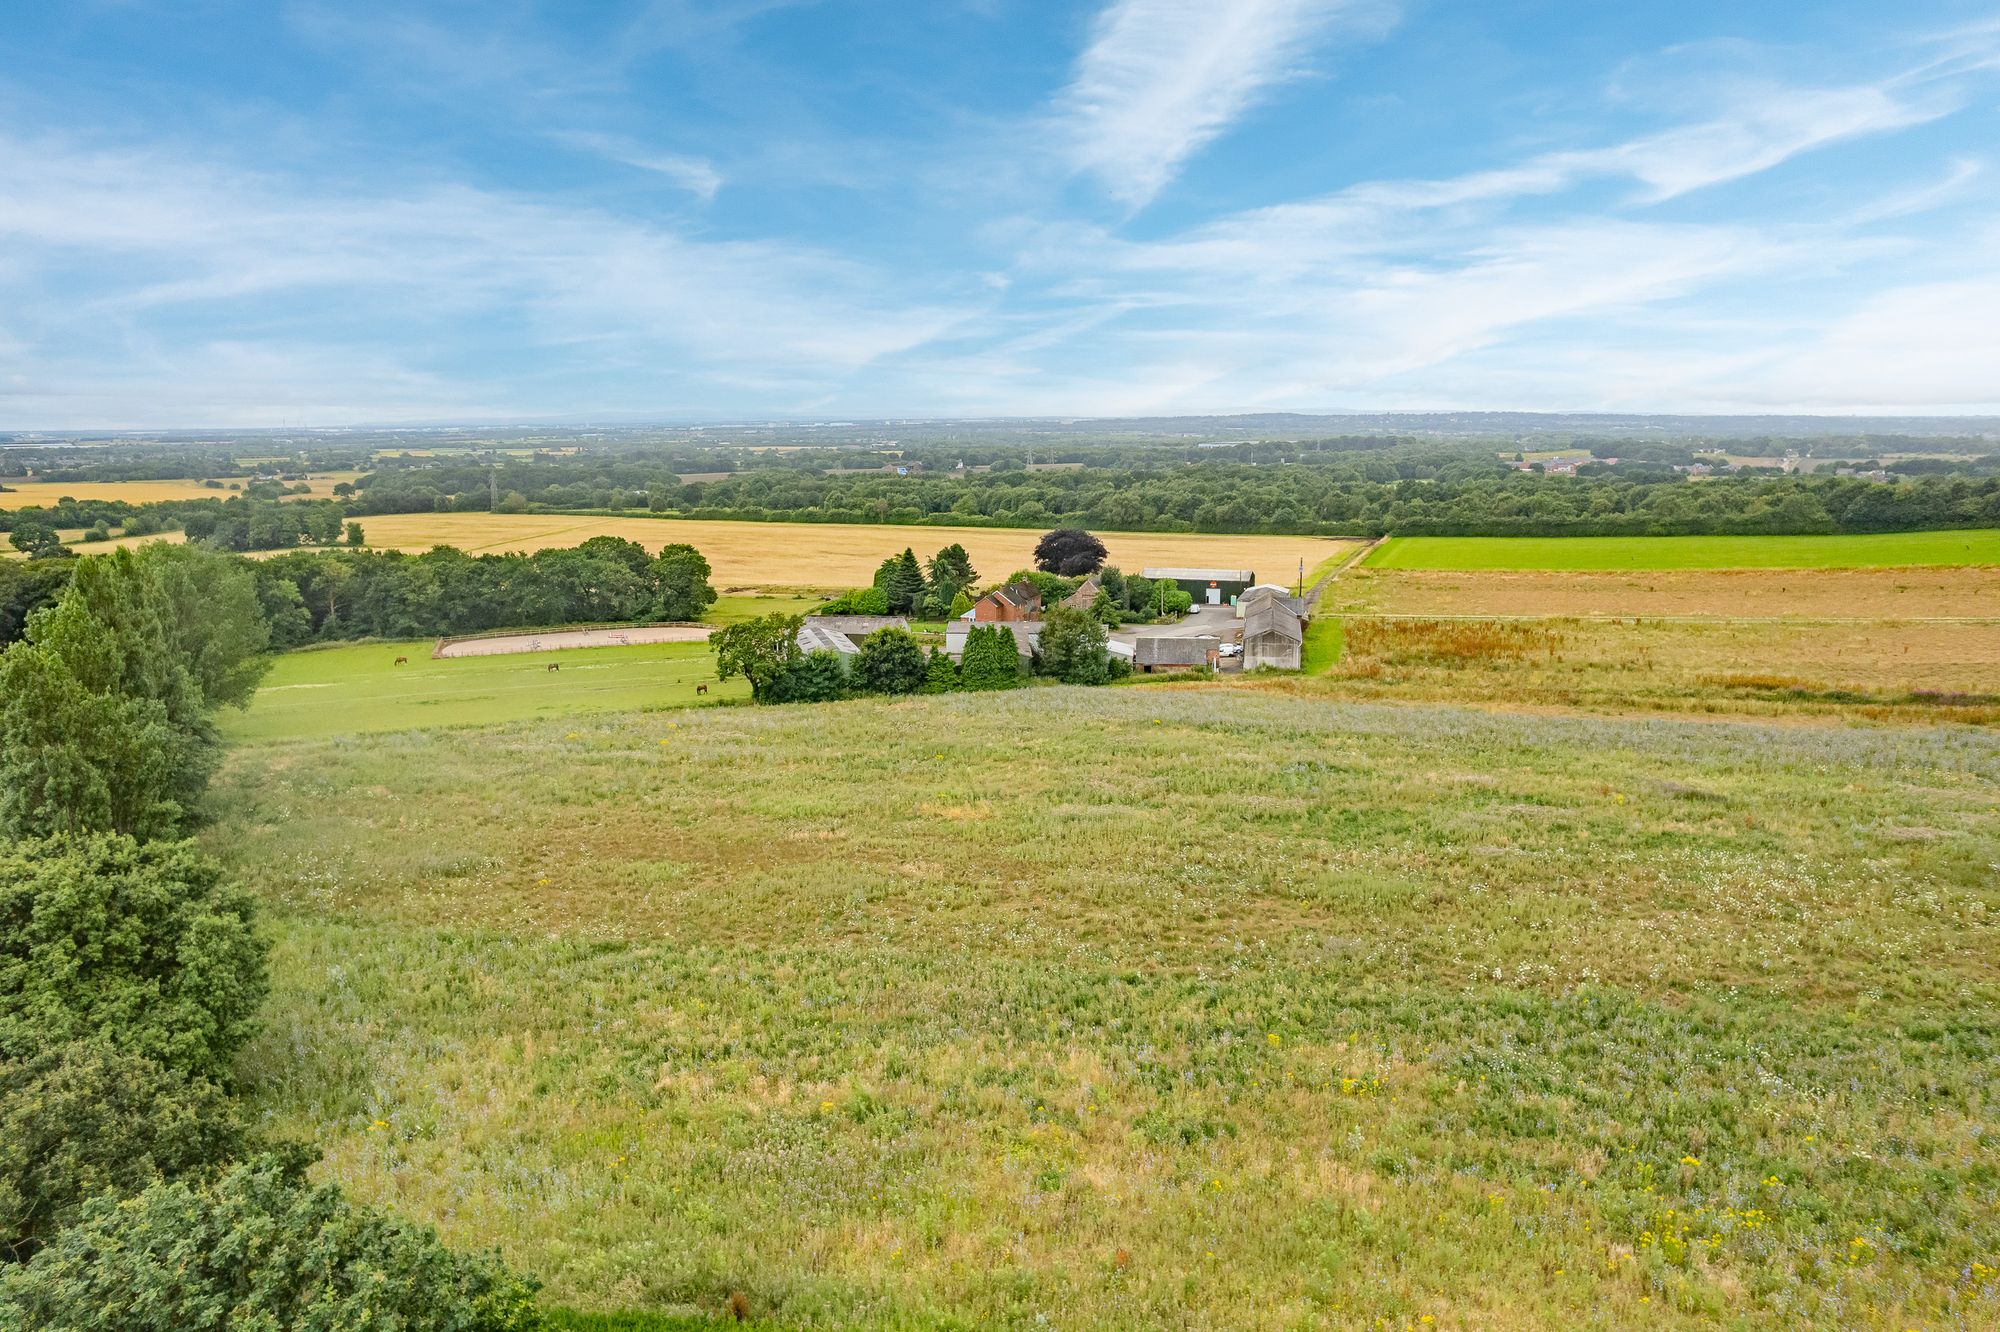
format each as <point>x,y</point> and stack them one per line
<point>701,689</point>
<point>402,661</point>
<point>555,665</point>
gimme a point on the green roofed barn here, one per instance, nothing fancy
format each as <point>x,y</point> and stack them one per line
<point>1210,587</point>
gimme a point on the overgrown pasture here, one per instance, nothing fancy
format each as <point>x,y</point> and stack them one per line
<point>1166,1006</point>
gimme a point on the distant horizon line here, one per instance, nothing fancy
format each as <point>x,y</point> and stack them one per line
<point>808,422</point>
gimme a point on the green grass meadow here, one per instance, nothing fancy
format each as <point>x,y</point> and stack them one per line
<point>1325,637</point>
<point>1582,554</point>
<point>1190,1006</point>
<point>358,688</point>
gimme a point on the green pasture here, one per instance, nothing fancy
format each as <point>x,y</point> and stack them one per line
<point>1874,550</point>
<point>1186,1006</point>
<point>734,610</point>
<point>358,687</point>
<point>1324,639</point>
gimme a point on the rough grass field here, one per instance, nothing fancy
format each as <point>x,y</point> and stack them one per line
<point>1689,552</point>
<point>1971,592</point>
<point>1210,1008</point>
<point>833,555</point>
<point>358,688</point>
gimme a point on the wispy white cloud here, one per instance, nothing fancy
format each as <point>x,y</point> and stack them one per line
<point>137,240</point>
<point>697,175</point>
<point>1162,78</point>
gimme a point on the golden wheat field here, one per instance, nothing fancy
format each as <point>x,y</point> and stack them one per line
<point>42,494</point>
<point>834,554</point>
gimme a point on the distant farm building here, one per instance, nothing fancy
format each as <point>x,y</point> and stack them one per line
<point>1027,635</point>
<point>1274,629</point>
<point>1158,654</point>
<point>843,633</point>
<point>1212,587</point>
<point>1085,594</point>
<point>1008,605</point>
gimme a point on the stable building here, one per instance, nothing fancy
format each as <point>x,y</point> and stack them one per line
<point>1208,587</point>
<point>1159,654</point>
<point>1274,628</point>
<point>843,633</point>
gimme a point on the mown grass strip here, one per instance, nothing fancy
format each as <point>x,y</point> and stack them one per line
<point>1872,550</point>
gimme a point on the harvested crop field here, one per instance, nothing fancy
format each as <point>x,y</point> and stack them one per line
<point>22,494</point>
<point>1861,594</point>
<point>1875,550</point>
<point>833,555</point>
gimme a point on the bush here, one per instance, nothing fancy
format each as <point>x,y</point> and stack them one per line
<point>1072,647</point>
<point>83,1119</point>
<point>991,660</point>
<point>861,601</point>
<point>258,1249</point>
<point>890,663</point>
<point>819,676</point>
<point>142,946</point>
<point>940,674</point>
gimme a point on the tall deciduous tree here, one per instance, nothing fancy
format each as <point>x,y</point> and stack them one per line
<point>143,946</point>
<point>258,1248</point>
<point>1069,552</point>
<point>84,1118</point>
<point>680,575</point>
<point>760,650</point>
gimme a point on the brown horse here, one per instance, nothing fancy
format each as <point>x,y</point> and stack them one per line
<point>701,689</point>
<point>555,665</point>
<point>402,661</point>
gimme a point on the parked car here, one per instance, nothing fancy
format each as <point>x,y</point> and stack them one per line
<point>1230,650</point>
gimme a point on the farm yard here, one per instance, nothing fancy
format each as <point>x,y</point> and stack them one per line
<point>1208,1002</point>
<point>831,555</point>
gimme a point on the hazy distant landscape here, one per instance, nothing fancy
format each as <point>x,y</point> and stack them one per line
<point>1114,664</point>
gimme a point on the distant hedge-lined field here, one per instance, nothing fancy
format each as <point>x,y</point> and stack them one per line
<point>1873,550</point>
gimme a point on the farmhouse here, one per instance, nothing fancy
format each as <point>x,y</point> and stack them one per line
<point>1213,587</point>
<point>1085,594</point>
<point>1008,605</point>
<point>843,633</point>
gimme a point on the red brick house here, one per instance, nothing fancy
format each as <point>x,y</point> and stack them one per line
<point>1016,601</point>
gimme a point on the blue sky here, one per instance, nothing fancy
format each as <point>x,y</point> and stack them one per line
<point>262,212</point>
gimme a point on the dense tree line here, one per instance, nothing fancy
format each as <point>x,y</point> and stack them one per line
<point>132,1193</point>
<point>324,596</point>
<point>1399,488</point>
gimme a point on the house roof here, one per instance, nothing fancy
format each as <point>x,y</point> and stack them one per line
<point>1017,594</point>
<point>842,633</point>
<point>1203,575</point>
<point>1085,593</point>
<point>1174,650</point>
<point>1266,594</point>
<point>858,624</point>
